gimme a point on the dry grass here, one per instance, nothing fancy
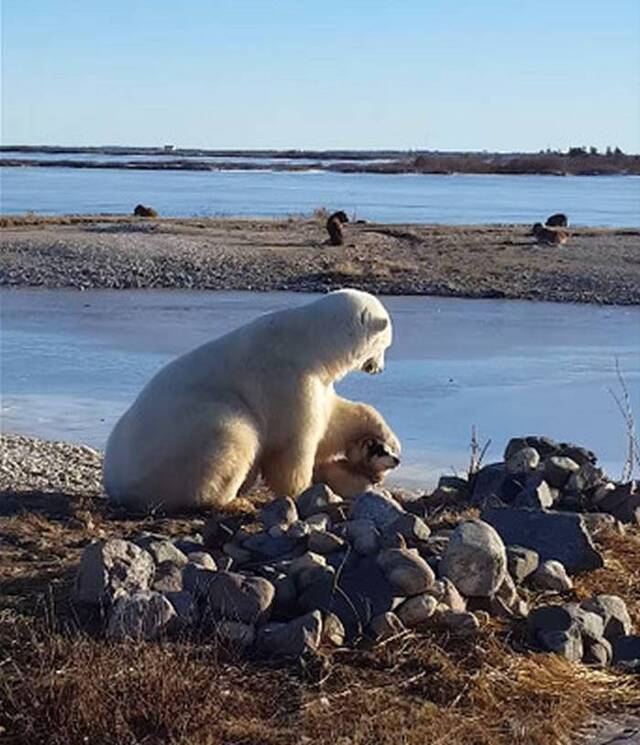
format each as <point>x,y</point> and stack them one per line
<point>61,686</point>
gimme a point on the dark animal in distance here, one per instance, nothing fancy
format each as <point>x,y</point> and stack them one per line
<point>334,227</point>
<point>551,236</point>
<point>141,211</point>
<point>557,220</point>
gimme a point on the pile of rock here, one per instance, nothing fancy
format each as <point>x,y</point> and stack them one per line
<point>539,473</point>
<point>319,571</point>
<point>596,631</point>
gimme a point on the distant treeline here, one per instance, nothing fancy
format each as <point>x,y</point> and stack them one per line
<point>576,161</point>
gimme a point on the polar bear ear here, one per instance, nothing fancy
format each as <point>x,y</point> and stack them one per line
<point>375,325</point>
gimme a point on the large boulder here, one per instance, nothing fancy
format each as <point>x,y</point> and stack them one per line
<point>554,535</point>
<point>475,559</point>
<point>360,592</point>
<point>109,569</point>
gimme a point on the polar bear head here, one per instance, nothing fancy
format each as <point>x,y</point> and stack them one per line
<point>357,329</point>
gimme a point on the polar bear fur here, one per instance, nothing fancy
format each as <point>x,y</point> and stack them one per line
<point>259,400</point>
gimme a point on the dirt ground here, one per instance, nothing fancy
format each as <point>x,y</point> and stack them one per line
<point>501,261</point>
<point>60,684</point>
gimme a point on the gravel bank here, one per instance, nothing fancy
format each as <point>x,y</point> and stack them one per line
<point>597,265</point>
<point>30,464</point>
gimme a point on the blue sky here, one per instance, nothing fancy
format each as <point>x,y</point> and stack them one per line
<point>436,74</point>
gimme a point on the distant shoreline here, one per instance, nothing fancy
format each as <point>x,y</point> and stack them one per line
<point>574,163</point>
<point>598,265</point>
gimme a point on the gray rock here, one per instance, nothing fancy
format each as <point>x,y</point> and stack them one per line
<point>459,623</point>
<point>202,559</point>
<point>385,625</point>
<point>333,631</point>
<point>554,535</point>
<point>168,578</point>
<point>489,485</point>
<point>239,555</point>
<point>521,562</point>
<point>613,611</point>
<point>362,592</point>
<point>325,543</point>
<point>461,485</point>
<point>163,550</point>
<point>236,597</point>
<point>318,523</point>
<point>626,653</point>
<point>305,562</point>
<point>558,469</point>
<point>364,535</point>
<point>406,571</point>
<point>267,546</point>
<point>580,455</point>
<point>623,502</point>
<point>235,633</point>
<point>297,530</point>
<point>597,652</point>
<point>437,543</point>
<point>410,527</point>
<point>567,630</point>
<point>587,477</point>
<point>143,615</point>
<point>590,624</point>
<point>446,593</point>
<point>282,511</point>
<point>475,559</point>
<point>317,498</point>
<point>189,544</point>
<point>523,461</point>
<point>596,522</point>
<point>378,506</point>
<point>111,568</point>
<point>565,643</point>
<point>549,618</point>
<point>416,610</point>
<point>285,600</point>
<point>544,445</point>
<point>185,606</point>
<point>536,494</point>
<point>195,578</point>
<point>292,639</point>
<point>551,575</point>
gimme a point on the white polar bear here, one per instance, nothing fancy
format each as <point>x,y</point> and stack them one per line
<point>259,400</point>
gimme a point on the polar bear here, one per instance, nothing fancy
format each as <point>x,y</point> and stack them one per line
<point>259,400</point>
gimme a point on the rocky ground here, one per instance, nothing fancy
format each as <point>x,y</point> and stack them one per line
<point>503,608</point>
<point>596,266</point>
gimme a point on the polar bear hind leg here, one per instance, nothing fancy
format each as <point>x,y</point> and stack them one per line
<point>227,461</point>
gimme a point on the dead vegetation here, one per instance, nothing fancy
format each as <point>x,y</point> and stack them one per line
<point>60,685</point>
